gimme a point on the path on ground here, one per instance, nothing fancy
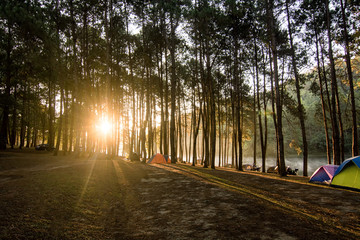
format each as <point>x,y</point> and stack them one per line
<point>98,198</point>
<point>216,204</point>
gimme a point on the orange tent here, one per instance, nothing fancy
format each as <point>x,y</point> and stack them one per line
<point>167,158</point>
<point>158,158</point>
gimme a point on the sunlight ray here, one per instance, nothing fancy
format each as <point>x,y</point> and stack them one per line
<point>93,159</point>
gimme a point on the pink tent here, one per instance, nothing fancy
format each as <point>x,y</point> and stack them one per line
<point>324,174</point>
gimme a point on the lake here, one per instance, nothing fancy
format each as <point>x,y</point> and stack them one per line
<point>295,162</point>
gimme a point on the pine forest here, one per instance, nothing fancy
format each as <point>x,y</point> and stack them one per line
<point>207,82</point>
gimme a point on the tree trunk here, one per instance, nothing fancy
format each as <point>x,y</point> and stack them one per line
<point>220,135</point>
<point>280,137</point>
<point>179,128</point>
<point>334,121</point>
<point>173,91</point>
<point>211,109</point>
<point>265,122</point>
<point>262,145</point>
<point>240,124</point>
<point>185,133</point>
<point>14,121</point>
<point>327,93</point>
<point>166,125</point>
<point>196,126</point>
<point>297,84</point>
<point>254,112</point>
<point>355,144</point>
<point>22,123</point>
<point>6,102</point>
<point>66,121</point>
<point>323,105</point>
<point>234,162</point>
<point>60,123</point>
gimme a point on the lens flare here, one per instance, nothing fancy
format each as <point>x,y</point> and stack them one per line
<point>104,127</point>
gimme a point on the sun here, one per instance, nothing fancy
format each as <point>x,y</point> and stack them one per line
<point>104,127</point>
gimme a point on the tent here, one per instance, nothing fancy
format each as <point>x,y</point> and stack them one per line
<point>167,158</point>
<point>348,174</point>
<point>158,158</point>
<point>324,174</point>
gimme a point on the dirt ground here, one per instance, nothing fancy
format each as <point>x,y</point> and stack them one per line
<point>93,197</point>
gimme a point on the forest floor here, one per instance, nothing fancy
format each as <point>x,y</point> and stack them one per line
<point>68,197</point>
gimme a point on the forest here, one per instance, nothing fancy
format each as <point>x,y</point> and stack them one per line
<point>205,81</point>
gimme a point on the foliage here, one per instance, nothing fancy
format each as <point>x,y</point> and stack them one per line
<point>142,64</point>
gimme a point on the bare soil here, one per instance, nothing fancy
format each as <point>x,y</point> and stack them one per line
<point>94,197</point>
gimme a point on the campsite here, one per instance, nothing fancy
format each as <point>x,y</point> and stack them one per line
<point>68,197</point>
<point>179,119</point>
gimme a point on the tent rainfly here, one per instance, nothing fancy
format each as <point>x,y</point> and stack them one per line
<point>348,174</point>
<point>159,158</point>
<point>324,174</point>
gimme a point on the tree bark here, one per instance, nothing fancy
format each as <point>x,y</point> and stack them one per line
<point>298,96</point>
<point>334,121</point>
<point>323,105</point>
<point>355,143</point>
<point>6,103</point>
<point>173,91</point>
<point>60,123</point>
<point>280,137</point>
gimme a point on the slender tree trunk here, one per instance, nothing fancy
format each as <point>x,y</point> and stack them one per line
<point>355,144</point>
<point>265,122</point>
<point>226,150</point>
<point>263,150</point>
<point>335,126</point>
<point>148,122</point>
<point>196,124</point>
<point>28,117</point>
<point>185,133</point>
<point>297,84</point>
<point>220,135</point>
<point>162,125</point>
<point>14,121</point>
<point>341,128</point>
<point>255,114</point>
<point>237,107</point>
<point>205,122</point>
<point>327,93</point>
<point>211,110</point>
<point>240,124</point>
<point>323,105</point>
<point>180,128</point>
<point>50,112</point>
<point>280,137</point>
<point>166,125</point>
<point>75,124</point>
<point>60,123</point>
<point>190,138</point>
<point>66,121</point>
<point>234,162</point>
<point>6,103</point>
<point>273,114</point>
<point>22,123</point>
<point>173,92</point>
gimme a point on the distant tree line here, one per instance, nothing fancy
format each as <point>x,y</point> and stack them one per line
<point>191,78</point>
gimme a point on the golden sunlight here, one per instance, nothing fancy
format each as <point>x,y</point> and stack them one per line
<point>104,127</point>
